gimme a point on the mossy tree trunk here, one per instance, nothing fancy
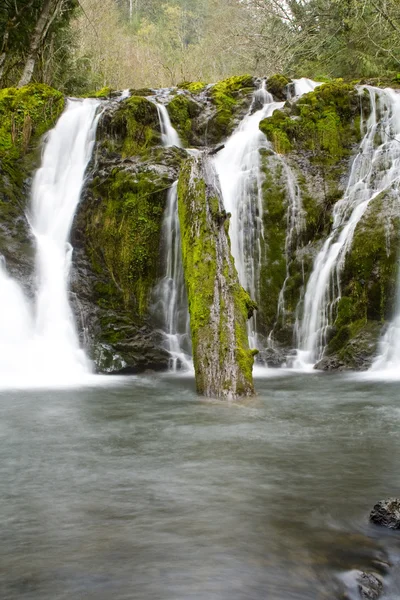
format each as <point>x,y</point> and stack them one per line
<point>219,307</point>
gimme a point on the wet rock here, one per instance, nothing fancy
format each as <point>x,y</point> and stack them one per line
<point>386,513</point>
<point>363,585</point>
<point>272,357</point>
<point>369,586</point>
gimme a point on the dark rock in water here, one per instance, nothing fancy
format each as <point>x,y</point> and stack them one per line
<point>216,149</point>
<point>386,513</point>
<point>360,584</point>
<point>272,357</point>
<point>369,586</point>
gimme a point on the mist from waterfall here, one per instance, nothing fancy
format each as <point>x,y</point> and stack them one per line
<point>375,169</point>
<point>39,344</point>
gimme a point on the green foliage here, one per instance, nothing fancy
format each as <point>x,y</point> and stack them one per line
<point>26,114</point>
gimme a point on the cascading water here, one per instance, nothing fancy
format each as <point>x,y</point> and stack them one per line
<point>39,343</point>
<point>238,166</point>
<point>169,135</point>
<point>375,169</point>
<point>170,294</point>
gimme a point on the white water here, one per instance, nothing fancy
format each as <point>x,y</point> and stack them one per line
<point>303,86</point>
<point>238,166</point>
<point>239,169</point>
<point>375,169</point>
<point>170,293</point>
<point>38,341</point>
<point>169,135</point>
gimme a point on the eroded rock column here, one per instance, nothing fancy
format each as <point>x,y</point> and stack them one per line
<point>219,307</point>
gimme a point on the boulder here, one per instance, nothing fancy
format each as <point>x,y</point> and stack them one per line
<point>386,513</point>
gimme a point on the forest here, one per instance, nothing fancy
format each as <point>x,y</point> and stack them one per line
<point>79,46</point>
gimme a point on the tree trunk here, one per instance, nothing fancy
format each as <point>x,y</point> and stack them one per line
<point>45,18</point>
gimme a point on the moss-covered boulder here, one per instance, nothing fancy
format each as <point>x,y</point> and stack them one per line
<point>277,86</point>
<point>229,96</point>
<point>131,127</point>
<point>183,112</point>
<point>218,305</point>
<point>368,285</point>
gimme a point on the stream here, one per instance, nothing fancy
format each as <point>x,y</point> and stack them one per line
<point>136,488</point>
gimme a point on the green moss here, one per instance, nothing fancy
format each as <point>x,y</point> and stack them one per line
<point>135,126</point>
<point>182,110</point>
<point>369,277</point>
<point>25,115</point>
<point>226,95</point>
<point>123,233</point>
<point>201,220</point>
<point>104,92</point>
<point>194,87</point>
<point>325,124</point>
<point>142,92</point>
<point>276,85</point>
<point>198,250</point>
<point>273,271</point>
<point>275,128</point>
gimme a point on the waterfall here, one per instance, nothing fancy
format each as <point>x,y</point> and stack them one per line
<point>169,135</point>
<point>38,340</point>
<point>238,166</point>
<point>304,86</point>
<point>170,300</point>
<point>239,169</point>
<point>376,168</point>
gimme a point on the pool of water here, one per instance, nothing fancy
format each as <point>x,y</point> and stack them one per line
<point>141,490</point>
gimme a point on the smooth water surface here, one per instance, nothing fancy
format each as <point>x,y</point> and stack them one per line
<point>142,490</point>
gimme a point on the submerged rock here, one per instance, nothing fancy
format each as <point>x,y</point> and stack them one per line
<point>363,585</point>
<point>386,513</point>
<point>369,586</point>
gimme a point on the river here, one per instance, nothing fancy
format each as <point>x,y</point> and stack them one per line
<point>139,489</point>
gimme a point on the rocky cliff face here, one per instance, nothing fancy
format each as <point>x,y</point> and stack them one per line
<point>117,230</point>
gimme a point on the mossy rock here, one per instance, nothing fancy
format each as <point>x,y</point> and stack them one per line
<point>194,87</point>
<point>103,93</point>
<point>323,122</point>
<point>182,112</point>
<point>123,229</point>
<point>273,269</point>
<point>277,86</point>
<point>134,127</point>
<point>228,95</point>
<point>219,307</point>
<point>369,277</point>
